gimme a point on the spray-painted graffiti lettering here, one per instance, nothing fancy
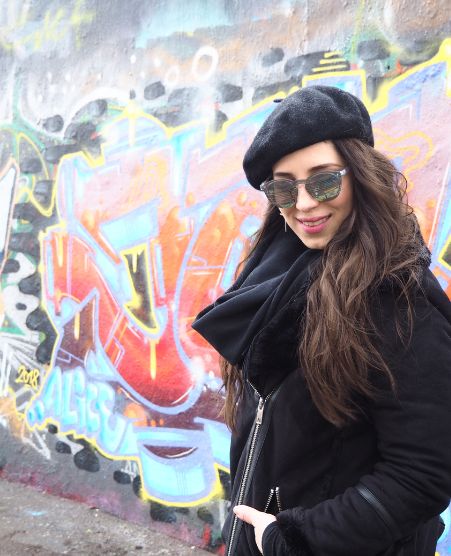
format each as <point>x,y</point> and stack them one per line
<point>128,279</point>
<point>23,32</point>
<point>84,406</point>
<point>29,377</point>
<point>124,210</point>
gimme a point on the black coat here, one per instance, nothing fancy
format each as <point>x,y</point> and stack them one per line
<point>372,487</point>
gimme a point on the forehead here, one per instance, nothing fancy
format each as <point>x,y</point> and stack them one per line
<point>314,156</point>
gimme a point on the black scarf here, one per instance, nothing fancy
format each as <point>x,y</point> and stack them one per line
<point>278,271</point>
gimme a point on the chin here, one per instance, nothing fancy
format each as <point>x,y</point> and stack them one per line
<point>316,244</point>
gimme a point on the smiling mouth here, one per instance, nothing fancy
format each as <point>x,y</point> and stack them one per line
<point>312,223</point>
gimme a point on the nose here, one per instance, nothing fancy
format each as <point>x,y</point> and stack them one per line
<point>305,202</point>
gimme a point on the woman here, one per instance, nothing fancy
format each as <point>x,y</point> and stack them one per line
<point>336,346</point>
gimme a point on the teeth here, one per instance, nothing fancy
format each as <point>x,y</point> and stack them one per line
<point>316,223</point>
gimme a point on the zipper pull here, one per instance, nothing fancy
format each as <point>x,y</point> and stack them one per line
<point>259,419</point>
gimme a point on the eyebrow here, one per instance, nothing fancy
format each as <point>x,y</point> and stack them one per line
<point>311,170</point>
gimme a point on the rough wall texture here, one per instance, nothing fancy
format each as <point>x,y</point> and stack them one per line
<point>124,210</point>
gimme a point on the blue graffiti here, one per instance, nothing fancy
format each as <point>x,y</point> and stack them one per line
<point>85,406</point>
<point>83,398</point>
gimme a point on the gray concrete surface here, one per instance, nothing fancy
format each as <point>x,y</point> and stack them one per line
<point>38,524</point>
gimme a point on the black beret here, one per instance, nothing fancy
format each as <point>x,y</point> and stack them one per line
<point>308,116</point>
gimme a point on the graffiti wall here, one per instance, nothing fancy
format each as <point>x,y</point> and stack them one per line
<point>124,210</point>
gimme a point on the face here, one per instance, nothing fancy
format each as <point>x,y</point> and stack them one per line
<point>314,222</point>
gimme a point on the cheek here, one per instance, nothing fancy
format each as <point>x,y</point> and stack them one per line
<point>286,212</point>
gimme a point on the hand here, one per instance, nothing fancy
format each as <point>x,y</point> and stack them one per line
<point>260,520</point>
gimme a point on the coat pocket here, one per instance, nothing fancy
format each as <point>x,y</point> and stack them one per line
<point>273,503</point>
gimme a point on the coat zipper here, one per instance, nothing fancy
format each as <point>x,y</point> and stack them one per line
<point>271,494</point>
<point>250,456</point>
<point>279,505</point>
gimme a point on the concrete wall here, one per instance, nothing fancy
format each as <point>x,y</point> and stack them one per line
<point>124,210</point>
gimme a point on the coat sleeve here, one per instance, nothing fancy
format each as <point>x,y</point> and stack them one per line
<point>411,482</point>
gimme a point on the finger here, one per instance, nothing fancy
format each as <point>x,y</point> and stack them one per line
<point>246,513</point>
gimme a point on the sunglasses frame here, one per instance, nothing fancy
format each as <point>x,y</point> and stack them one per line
<point>295,183</point>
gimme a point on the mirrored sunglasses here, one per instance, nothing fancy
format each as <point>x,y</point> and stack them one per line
<point>322,186</point>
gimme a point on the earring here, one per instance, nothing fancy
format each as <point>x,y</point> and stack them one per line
<point>284,221</point>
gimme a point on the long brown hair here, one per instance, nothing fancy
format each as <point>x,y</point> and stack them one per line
<point>379,241</point>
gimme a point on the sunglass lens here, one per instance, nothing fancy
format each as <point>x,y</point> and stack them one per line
<point>324,186</point>
<point>280,193</point>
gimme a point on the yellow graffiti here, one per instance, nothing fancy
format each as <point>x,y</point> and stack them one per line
<point>54,27</point>
<point>27,189</point>
<point>8,409</point>
<point>141,306</point>
<point>443,56</point>
<point>153,359</point>
<point>333,53</point>
<point>328,55</point>
<point>132,112</point>
<point>77,326</point>
<point>132,257</point>
<point>413,156</point>
<point>217,490</point>
<point>331,63</point>
<point>445,251</point>
<point>28,377</point>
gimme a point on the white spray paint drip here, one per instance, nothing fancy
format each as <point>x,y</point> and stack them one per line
<point>7,184</point>
<point>5,369</point>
